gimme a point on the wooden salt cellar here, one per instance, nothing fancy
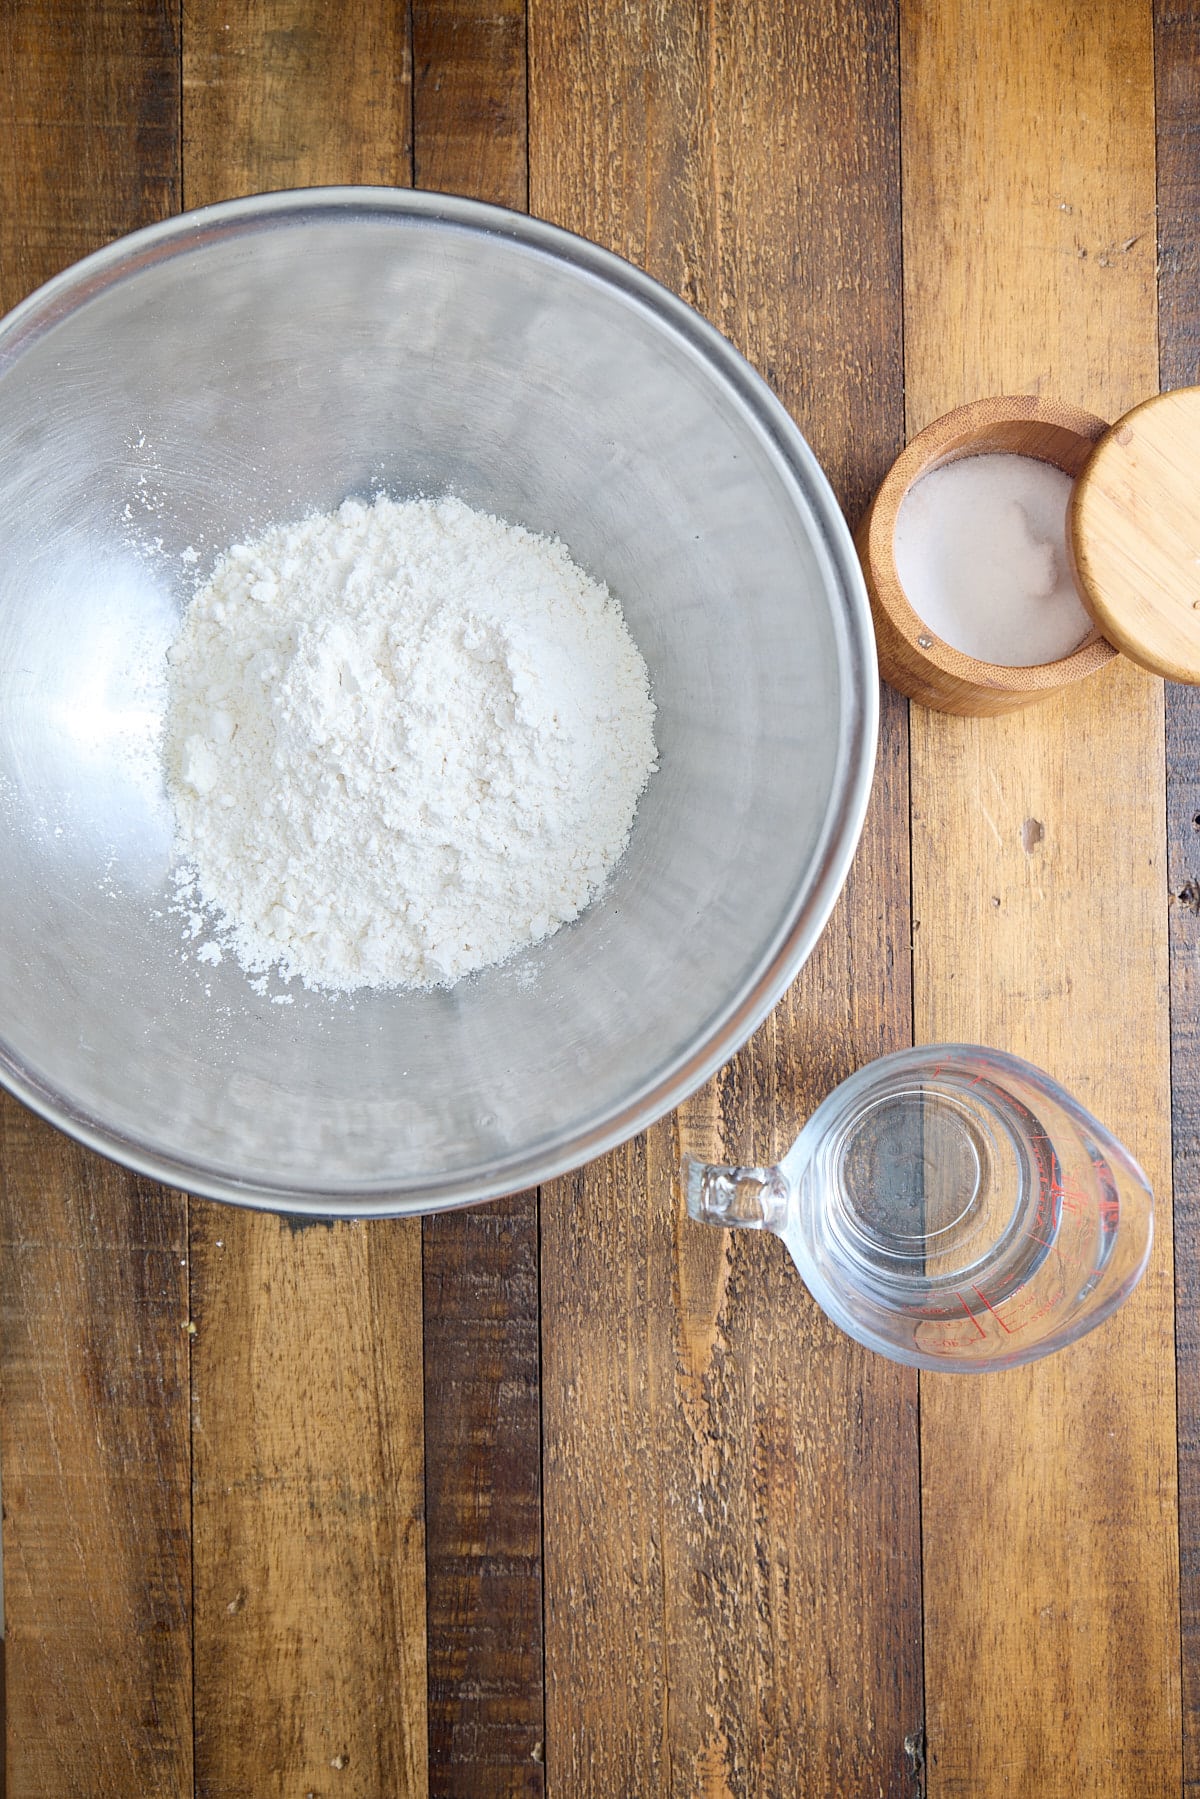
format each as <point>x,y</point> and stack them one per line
<point>1133,531</point>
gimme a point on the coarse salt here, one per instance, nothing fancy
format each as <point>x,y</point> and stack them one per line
<point>981,552</point>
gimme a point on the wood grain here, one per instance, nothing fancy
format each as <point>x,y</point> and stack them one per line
<point>470,113</point>
<point>95,1454</point>
<point>1136,536</point>
<point>309,1541</point>
<point>732,1587</point>
<point>90,146</point>
<point>1048,1502</point>
<point>308,1533</point>
<point>293,93</point>
<point>1177,134</point>
<point>483,1502</point>
<point>1183,874</point>
<point>1177,87</point>
<point>482,1395</point>
<point>93,1282</point>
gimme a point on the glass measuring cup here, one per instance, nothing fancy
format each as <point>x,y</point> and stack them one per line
<point>951,1207</point>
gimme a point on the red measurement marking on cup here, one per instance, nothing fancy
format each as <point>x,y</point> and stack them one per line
<point>970,1314</point>
<point>1070,1198</point>
<point>991,1308</point>
<point>950,1344</point>
<point>1051,1305</point>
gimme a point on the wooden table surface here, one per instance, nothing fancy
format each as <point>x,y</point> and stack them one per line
<point>564,1495</point>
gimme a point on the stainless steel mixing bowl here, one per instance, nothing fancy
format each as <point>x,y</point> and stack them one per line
<point>261,359</point>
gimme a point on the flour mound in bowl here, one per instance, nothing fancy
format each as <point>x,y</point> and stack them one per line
<point>404,741</point>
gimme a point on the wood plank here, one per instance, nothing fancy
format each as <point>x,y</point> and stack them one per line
<point>294,93</point>
<point>483,1502</point>
<point>1049,1500</point>
<point>732,1560</point>
<point>309,1543</point>
<point>94,1428</point>
<point>1177,122</point>
<point>91,130</point>
<point>1177,85</point>
<point>482,1397</point>
<point>95,1453</point>
<point>1183,872</point>
<point>309,1540</point>
<point>470,112</point>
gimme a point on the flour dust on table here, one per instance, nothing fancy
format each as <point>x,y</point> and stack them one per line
<point>403,742</point>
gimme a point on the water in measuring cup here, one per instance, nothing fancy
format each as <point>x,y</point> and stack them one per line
<point>952,1208</point>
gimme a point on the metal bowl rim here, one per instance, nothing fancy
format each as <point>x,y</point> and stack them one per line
<point>187,233</point>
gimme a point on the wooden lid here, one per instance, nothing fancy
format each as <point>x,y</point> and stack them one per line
<point>1134,528</point>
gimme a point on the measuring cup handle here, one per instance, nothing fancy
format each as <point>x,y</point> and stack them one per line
<point>755,1199</point>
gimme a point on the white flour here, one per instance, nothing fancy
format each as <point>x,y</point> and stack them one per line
<point>403,742</point>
